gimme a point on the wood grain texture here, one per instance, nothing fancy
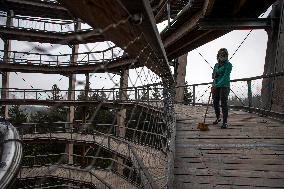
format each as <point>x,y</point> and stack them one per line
<point>141,41</point>
<point>249,154</point>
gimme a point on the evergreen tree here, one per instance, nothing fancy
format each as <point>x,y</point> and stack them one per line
<point>59,113</point>
<point>39,117</point>
<point>17,115</point>
<point>187,95</point>
<point>55,93</point>
<point>103,116</point>
<point>156,95</point>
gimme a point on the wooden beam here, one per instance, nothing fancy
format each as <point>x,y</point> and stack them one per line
<point>192,41</point>
<point>180,81</point>
<point>186,36</point>
<point>234,24</point>
<point>34,8</point>
<point>129,24</point>
<point>90,36</point>
<point>189,25</point>
<point>181,31</point>
<point>113,66</point>
<point>161,11</point>
<point>6,75</point>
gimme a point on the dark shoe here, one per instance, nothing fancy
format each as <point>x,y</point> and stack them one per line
<point>216,121</point>
<point>224,126</point>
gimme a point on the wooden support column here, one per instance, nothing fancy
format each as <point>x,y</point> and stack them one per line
<point>272,88</point>
<point>71,96</point>
<point>87,88</point>
<point>278,88</point>
<point>84,120</point>
<point>180,80</point>
<point>121,116</point>
<point>5,75</point>
<point>70,116</point>
<point>122,96</point>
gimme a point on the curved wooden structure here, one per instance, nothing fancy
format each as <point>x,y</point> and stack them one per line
<point>131,25</point>
<point>11,154</point>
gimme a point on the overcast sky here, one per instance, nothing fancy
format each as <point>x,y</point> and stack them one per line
<point>247,62</point>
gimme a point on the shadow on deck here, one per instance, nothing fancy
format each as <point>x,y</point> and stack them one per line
<point>248,154</point>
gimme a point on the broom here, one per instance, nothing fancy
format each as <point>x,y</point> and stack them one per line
<point>203,126</point>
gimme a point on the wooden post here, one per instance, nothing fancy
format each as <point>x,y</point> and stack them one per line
<point>87,88</point>
<point>169,13</point>
<point>277,101</point>
<point>122,96</point>
<point>249,95</point>
<point>180,81</point>
<point>272,91</point>
<point>193,94</point>
<point>5,75</point>
<point>121,116</point>
<point>71,96</point>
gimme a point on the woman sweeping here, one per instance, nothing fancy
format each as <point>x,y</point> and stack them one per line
<point>221,86</point>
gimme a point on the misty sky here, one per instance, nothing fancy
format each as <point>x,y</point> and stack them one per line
<point>247,62</point>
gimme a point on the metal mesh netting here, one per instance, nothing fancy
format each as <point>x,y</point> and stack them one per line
<point>101,118</point>
<point>111,127</point>
<point>260,94</point>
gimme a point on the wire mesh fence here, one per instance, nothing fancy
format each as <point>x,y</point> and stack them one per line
<point>261,94</point>
<point>117,136</point>
<point>120,135</point>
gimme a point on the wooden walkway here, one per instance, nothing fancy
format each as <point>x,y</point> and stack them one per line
<point>67,172</point>
<point>154,160</point>
<point>249,154</point>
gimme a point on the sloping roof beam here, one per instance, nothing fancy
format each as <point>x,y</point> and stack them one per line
<point>129,24</point>
<point>234,24</point>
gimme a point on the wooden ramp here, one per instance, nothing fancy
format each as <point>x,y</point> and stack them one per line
<point>100,178</point>
<point>154,160</point>
<point>249,154</point>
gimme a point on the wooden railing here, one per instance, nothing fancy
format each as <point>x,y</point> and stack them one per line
<point>40,24</point>
<point>245,93</point>
<point>41,59</point>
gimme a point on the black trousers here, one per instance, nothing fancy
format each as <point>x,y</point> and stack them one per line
<point>221,94</point>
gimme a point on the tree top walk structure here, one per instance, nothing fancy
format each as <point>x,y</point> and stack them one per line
<point>125,136</point>
<point>184,33</point>
<point>180,34</point>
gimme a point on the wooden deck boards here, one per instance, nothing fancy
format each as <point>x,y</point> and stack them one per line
<point>249,154</point>
<point>80,175</point>
<point>154,160</point>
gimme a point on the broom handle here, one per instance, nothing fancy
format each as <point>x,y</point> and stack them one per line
<point>207,107</point>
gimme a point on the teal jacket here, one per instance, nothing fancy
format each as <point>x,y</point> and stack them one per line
<point>222,74</point>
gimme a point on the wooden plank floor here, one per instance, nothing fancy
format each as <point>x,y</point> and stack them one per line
<point>249,154</point>
<point>79,175</point>
<point>154,160</point>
